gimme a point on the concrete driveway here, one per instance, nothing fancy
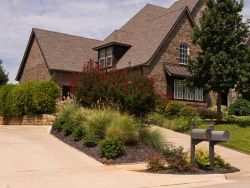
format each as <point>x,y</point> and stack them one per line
<point>32,158</point>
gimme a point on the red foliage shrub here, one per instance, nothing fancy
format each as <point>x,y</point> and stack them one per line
<point>121,88</point>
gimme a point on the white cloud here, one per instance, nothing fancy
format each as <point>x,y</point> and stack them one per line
<point>89,18</point>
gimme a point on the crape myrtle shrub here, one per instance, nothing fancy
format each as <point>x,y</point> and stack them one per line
<point>121,89</point>
<point>30,98</point>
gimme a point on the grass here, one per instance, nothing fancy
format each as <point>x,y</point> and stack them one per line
<point>239,129</point>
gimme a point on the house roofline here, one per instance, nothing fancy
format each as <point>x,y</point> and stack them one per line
<point>186,10</point>
<point>110,44</point>
<point>27,51</point>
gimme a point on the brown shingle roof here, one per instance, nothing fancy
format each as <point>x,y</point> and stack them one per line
<point>176,70</point>
<point>61,51</point>
<point>147,30</point>
<point>65,52</point>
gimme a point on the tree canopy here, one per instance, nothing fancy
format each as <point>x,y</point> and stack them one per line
<point>3,75</point>
<point>223,62</point>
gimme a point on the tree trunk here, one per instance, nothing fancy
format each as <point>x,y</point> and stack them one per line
<point>218,103</point>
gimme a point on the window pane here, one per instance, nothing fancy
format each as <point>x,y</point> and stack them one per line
<point>178,89</point>
<point>102,54</point>
<point>109,51</point>
<point>189,94</point>
<point>109,61</point>
<point>183,54</point>
<point>102,62</point>
<point>199,94</point>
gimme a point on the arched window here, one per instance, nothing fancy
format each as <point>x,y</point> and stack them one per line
<point>184,52</point>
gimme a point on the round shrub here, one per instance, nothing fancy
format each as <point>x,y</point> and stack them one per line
<point>64,116</point>
<point>78,133</point>
<point>91,140</point>
<point>44,96</point>
<point>123,128</point>
<point>111,148</point>
<point>241,107</point>
<point>156,119</point>
<point>173,109</point>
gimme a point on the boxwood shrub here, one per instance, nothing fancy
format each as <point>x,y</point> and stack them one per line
<point>241,107</point>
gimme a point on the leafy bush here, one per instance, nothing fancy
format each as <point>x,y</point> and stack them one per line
<point>156,163</point>
<point>111,148</point>
<point>5,106</point>
<point>188,111</point>
<point>173,108</point>
<point>203,162</point>
<point>123,128</point>
<point>78,133</point>
<point>131,93</point>
<point>90,140</point>
<point>156,119</point>
<point>205,113</point>
<point>37,97</point>
<point>176,158</point>
<point>182,124</point>
<point>151,138</point>
<point>241,107</point>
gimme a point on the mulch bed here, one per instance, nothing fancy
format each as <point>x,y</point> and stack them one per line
<point>133,154</point>
<point>196,171</point>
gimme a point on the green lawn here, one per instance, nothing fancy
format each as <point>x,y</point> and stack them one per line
<point>239,129</point>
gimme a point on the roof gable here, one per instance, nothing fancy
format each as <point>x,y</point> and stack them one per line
<point>60,51</point>
<point>148,30</point>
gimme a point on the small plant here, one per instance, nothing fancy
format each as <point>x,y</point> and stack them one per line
<point>203,162</point>
<point>241,107</point>
<point>123,128</point>
<point>182,124</point>
<point>188,111</point>
<point>156,119</point>
<point>205,113</point>
<point>173,109</point>
<point>176,158</point>
<point>111,148</point>
<point>151,138</point>
<point>90,140</point>
<point>156,163</point>
<point>78,133</point>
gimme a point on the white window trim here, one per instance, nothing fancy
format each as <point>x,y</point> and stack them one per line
<point>181,49</point>
<point>176,91</point>
<point>197,94</point>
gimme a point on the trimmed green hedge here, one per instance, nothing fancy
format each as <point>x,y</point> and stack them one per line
<point>30,98</point>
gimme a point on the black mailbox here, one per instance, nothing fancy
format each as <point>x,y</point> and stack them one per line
<point>201,134</point>
<point>220,136</point>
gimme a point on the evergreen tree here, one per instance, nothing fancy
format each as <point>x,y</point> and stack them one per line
<point>223,61</point>
<point>3,75</point>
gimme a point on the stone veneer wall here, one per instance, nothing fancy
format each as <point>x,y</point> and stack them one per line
<point>44,119</point>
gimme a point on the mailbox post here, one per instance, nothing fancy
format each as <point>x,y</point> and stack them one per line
<point>199,135</point>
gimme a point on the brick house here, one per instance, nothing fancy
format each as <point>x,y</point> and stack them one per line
<point>156,43</point>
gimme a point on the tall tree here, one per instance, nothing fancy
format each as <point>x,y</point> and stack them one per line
<point>3,75</point>
<point>222,63</point>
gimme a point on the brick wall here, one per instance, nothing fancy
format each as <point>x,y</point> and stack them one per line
<point>35,67</point>
<point>169,53</point>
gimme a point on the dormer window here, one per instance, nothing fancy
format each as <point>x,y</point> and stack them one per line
<point>109,53</point>
<point>184,53</point>
<point>102,58</point>
<point>106,57</point>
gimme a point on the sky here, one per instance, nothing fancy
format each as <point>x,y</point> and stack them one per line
<point>87,18</point>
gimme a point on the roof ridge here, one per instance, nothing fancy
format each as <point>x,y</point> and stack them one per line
<point>65,34</point>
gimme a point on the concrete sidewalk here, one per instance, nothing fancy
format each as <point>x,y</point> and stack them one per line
<point>32,158</point>
<point>235,158</point>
